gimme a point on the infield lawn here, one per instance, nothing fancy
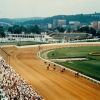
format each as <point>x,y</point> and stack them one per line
<point>90,67</point>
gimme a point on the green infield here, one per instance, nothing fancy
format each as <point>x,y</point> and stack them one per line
<point>90,67</point>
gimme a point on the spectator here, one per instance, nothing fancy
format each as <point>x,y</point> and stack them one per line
<point>14,86</point>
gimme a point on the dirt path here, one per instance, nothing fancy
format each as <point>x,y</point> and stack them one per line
<point>52,85</point>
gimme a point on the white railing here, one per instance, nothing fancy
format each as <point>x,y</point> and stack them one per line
<point>70,70</point>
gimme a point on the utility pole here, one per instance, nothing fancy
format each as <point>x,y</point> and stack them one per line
<point>8,55</point>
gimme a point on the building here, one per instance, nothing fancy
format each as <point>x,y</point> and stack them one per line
<point>61,23</point>
<point>73,25</point>
<point>94,24</point>
<point>49,26</point>
<point>54,23</point>
<point>99,25</point>
<point>24,37</point>
<point>66,37</point>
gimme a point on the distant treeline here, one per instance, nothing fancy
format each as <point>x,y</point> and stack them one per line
<point>83,18</point>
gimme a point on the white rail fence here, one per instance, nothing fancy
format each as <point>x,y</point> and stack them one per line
<point>70,70</point>
<point>68,44</point>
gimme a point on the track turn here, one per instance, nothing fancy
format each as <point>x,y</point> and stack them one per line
<point>52,85</point>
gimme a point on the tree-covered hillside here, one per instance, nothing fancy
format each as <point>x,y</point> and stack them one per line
<point>83,18</point>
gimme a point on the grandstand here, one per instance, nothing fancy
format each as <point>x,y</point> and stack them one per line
<point>2,95</point>
<point>13,86</point>
<point>70,36</point>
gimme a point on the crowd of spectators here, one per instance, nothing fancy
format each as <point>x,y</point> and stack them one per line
<point>14,86</point>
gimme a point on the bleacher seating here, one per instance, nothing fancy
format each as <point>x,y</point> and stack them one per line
<point>14,86</point>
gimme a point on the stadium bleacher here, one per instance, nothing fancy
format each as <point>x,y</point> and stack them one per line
<point>13,86</point>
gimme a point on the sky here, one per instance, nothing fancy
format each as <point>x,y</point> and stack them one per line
<point>45,8</point>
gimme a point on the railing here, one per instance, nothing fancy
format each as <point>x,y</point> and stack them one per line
<point>70,70</point>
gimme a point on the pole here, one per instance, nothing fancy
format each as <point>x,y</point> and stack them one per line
<point>8,55</point>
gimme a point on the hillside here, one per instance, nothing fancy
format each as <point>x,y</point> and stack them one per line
<point>83,18</point>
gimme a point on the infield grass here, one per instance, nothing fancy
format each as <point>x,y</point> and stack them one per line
<point>91,67</point>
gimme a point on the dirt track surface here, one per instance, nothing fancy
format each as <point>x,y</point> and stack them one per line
<point>52,85</point>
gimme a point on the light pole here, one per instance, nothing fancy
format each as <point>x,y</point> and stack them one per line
<point>8,55</point>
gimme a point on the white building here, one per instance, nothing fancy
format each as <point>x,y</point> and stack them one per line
<point>76,23</point>
<point>49,26</point>
<point>61,23</point>
<point>94,24</point>
<point>99,25</point>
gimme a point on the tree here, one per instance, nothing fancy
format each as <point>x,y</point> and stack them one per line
<point>87,29</point>
<point>69,30</point>
<point>17,29</point>
<point>60,29</point>
<point>23,29</point>
<point>2,34</point>
<point>35,29</point>
<point>84,29</point>
<point>98,33</point>
<point>92,31</point>
<point>10,29</point>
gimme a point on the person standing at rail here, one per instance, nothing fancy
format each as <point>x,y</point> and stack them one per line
<point>54,67</point>
<point>45,62</point>
<point>62,69</point>
<point>39,47</point>
<point>77,74</point>
<point>48,67</point>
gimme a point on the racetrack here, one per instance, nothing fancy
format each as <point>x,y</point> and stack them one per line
<point>52,85</point>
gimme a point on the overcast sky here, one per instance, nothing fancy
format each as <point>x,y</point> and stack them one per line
<point>44,8</point>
